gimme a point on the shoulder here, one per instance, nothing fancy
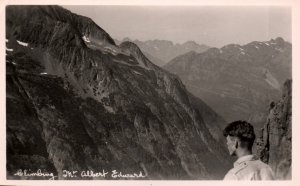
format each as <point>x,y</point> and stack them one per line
<point>242,170</point>
<point>231,175</point>
<point>251,170</point>
<point>266,172</point>
<point>261,171</point>
<point>237,172</point>
<point>259,165</point>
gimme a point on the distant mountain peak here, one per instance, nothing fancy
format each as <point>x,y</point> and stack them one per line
<point>279,39</point>
<point>126,39</point>
<point>130,45</point>
<point>191,43</point>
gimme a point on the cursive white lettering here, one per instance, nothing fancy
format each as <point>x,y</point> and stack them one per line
<point>74,174</point>
<point>116,174</point>
<point>38,173</point>
<point>70,174</point>
<point>93,174</point>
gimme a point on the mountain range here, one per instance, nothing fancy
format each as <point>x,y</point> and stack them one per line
<point>237,81</point>
<point>76,101</point>
<point>162,51</point>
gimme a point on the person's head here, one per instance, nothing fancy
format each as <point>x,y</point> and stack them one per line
<point>240,137</point>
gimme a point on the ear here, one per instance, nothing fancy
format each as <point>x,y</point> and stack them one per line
<point>237,143</point>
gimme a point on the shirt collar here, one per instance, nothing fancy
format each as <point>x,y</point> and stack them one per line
<point>243,159</point>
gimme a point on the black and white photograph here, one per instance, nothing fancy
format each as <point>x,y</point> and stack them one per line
<point>148,92</point>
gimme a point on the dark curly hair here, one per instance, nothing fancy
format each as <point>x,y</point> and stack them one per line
<point>242,130</point>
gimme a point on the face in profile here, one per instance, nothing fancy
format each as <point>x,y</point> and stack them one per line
<point>231,144</point>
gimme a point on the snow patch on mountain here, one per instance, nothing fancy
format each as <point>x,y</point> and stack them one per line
<point>86,39</point>
<point>22,43</point>
<point>137,72</point>
<point>109,109</point>
<point>9,49</point>
<point>11,62</point>
<point>271,80</point>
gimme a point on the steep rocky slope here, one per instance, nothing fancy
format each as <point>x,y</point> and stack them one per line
<point>77,102</point>
<point>275,140</point>
<point>162,51</point>
<point>238,82</point>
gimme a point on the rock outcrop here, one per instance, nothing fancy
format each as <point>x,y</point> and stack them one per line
<point>275,140</point>
<point>77,102</point>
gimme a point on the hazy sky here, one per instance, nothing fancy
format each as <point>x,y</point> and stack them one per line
<point>214,26</point>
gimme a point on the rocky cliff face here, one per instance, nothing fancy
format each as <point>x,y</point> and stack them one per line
<point>275,140</point>
<point>77,102</point>
<point>238,82</point>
